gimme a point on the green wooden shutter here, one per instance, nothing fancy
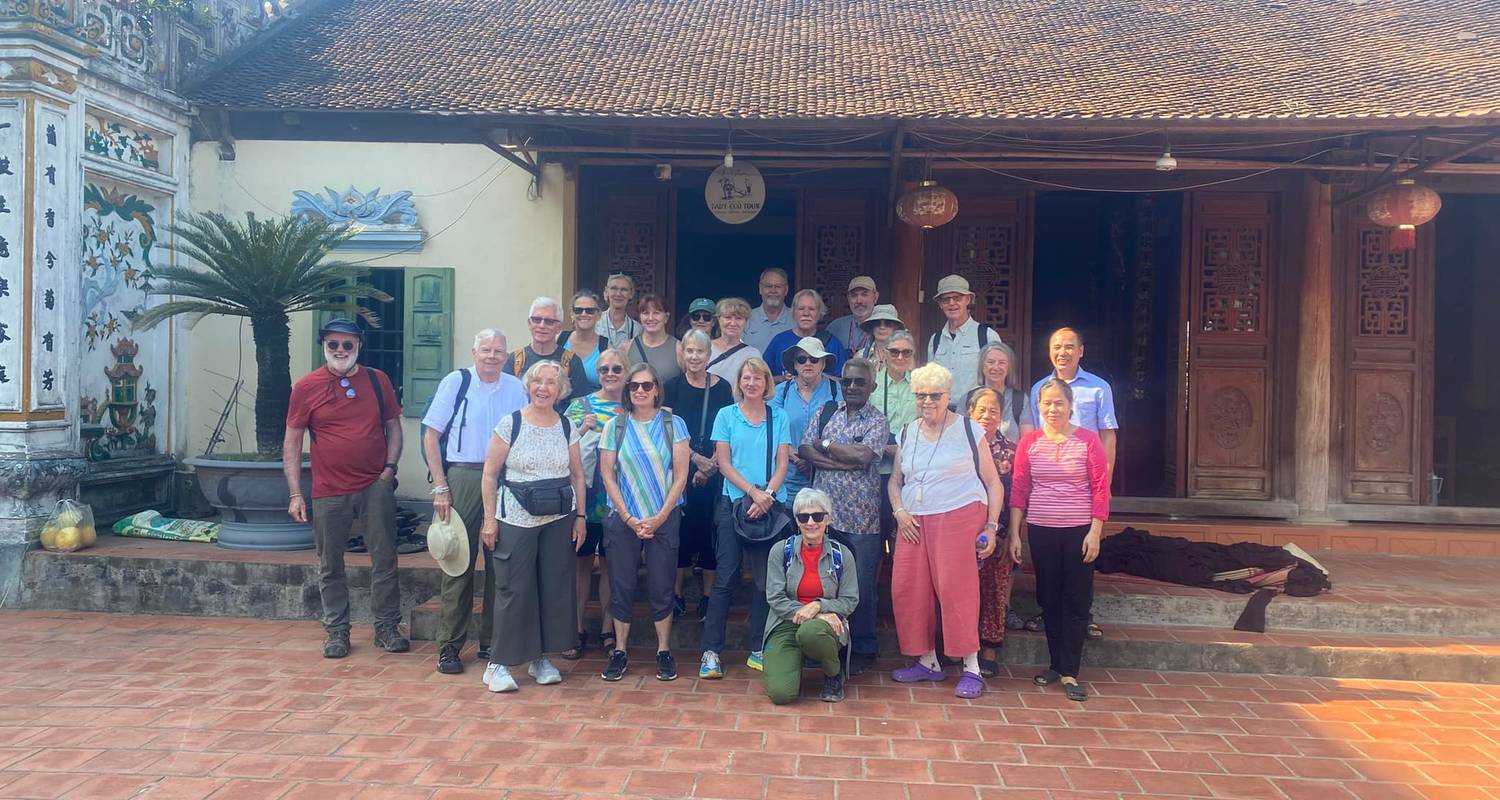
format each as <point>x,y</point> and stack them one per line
<point>428,342</point>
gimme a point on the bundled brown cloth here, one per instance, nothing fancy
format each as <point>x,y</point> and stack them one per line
<point>1207,564</point>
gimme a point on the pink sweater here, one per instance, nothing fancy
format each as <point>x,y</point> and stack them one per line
<point>1061,484</point>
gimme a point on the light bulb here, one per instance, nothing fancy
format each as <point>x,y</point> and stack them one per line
<point>729,160</point>
<point>1166,163</point>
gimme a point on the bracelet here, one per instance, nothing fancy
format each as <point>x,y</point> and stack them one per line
<point>991,526</point>
<point>294,494</point>
<point>440,490</point>
<point>896,511</point>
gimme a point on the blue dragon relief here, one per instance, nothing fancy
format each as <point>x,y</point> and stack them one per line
<point>355,207</point>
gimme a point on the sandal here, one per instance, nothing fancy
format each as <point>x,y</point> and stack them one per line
<point>1075,692</point>
<point>1046,678</point>
<point>988,668</point>
<point>577,652</point>
<point>1034,624</point>
<point>1095,632</point>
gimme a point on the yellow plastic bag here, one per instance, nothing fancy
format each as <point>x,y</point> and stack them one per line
<point>71,527</point>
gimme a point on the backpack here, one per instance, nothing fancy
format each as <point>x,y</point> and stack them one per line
<point>789,550</point>
<point>661,416</point>
<point>518,361</point>
<point>459,401</point>
<point>982,332</point>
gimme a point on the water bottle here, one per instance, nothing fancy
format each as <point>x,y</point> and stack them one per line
<point>979,545</point>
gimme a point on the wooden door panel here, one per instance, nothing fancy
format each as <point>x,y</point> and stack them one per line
<point>1230,275</point>
<point>635,239</point>
<point>1387,397</point>
<point>834,245</point>
<point>986,244</point>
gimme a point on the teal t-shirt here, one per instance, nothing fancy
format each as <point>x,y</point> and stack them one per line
<point>747,446</point>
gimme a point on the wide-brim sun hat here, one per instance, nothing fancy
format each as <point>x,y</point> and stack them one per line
<point>811,345</point>
<point>882,313</point>
<point>952,284</point>
<point>448,543</point>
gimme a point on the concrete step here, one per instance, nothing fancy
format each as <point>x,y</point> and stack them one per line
<point>1174,648</point>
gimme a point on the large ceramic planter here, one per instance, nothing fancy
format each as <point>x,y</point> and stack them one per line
<point>251,499</point>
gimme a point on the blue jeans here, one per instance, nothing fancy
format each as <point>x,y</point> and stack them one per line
<point>729,551</point>
<point>868,549</point>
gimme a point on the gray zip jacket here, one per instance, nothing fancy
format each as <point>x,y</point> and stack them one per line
<point>840,596</point>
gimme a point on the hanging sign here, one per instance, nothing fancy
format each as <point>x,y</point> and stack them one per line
<point>735,194</point>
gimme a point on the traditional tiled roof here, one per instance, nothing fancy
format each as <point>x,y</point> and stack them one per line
<point>853,59</point>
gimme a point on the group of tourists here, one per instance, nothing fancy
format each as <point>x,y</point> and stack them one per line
<point>760,435</point>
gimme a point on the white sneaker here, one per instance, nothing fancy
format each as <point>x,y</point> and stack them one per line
<point>500,680</point>
<point>489,672</point>
<point>544,672</point>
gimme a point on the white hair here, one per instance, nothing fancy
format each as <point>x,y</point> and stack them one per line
<point>489,333</point>
<point>533,377</point>
<point>698,337</point>
<point>815,499</point>
<point>813,293</point>
<point>932,376</point>
<point>545,302</point>
<point>901,333</point>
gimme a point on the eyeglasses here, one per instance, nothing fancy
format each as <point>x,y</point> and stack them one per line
<point>611,369</point>
<point>579,311</point>
<point>544,321</point>
<point>928,397</point>
<point>701,316</point>
<point>345,345</point>
<point>641,386</point>
<point>853,382</point>
<point>808,360</point>
<point>900,352</point>
<point>806,517</point>
<point>348,390</point>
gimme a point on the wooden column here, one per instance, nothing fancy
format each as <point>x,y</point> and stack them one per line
<point>905,290</point>
<point>1314,414</point>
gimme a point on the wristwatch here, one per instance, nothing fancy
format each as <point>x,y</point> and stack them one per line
<point>826,443</point>
<point>390,466</point>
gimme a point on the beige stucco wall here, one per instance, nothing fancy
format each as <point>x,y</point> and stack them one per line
<point>504,248</point>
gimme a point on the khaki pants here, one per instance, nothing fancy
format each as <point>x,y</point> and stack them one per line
<point>458,592</point>
<point>333,518</point>
<point>535,600</point>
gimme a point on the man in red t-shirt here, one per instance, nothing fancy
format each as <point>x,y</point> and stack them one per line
<point>356,442</point>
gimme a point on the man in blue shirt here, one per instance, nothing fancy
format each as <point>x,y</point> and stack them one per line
<point>1093,401</point>
<point>808,309</point>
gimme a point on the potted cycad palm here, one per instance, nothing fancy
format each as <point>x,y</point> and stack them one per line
<point>264,270</point>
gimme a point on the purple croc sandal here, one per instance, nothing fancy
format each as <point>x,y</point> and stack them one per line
<point>969,686</point>
<point>916,672</point>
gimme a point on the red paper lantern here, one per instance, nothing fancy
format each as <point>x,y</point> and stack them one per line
<point>927,206</point>
<point>1403,206</point>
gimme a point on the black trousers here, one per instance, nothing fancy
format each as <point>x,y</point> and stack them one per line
<point>1065,590</point>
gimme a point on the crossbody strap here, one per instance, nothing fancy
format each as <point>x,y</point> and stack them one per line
<point>379,405</point>
<point>770,435</point>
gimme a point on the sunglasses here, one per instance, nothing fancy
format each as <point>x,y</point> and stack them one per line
<point>348,390</point>
<point>344,345</point>
<point>928,397</point>
<point>900,352</point>
<point>611,369</point>
<point>641,386</point>
<point>580,311</point>
<point>808,360</point>
<point>805,517</point>
<point>544,321</point>
<point>701,316</point>
<point>854,382</point>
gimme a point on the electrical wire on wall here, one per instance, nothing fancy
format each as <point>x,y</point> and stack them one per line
<point>1117,190</point>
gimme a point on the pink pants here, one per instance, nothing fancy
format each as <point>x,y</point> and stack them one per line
<point>939,570</point>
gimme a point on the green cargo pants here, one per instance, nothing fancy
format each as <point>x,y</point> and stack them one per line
<point>786,644</point>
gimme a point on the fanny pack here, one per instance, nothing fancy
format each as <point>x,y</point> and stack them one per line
<point>547,497</point>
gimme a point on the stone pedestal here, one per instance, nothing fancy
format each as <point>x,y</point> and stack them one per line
<point>30,485</point>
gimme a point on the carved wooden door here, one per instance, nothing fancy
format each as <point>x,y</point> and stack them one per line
<point>635,237</point>
<point>1388,373</point>
<point>1230,277</point>
<point>988,244</point>
<point>835,243</point>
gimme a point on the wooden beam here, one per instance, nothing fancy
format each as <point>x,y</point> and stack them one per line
<point>1314,414</point>
<point>513,155</point>
<point>1430,166</point>
<point>893,179</point>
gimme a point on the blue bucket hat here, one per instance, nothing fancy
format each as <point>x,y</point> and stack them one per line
<point>341,325</point>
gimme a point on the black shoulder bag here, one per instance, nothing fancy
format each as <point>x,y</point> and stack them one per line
<point>771,524</point>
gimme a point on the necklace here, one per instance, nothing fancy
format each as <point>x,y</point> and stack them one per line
<point>922,481</point>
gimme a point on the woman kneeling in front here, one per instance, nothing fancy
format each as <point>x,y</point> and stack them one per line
<point>812,587</point>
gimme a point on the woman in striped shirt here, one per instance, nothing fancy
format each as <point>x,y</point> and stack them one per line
<point>1059,487</point>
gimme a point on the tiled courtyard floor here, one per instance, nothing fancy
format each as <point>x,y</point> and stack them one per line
<point>99,705</point>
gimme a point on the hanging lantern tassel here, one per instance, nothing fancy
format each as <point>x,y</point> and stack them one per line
<point>1402,207</point>
<point>927,206</point>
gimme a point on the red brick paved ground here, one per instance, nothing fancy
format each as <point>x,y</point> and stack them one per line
<point>97,706</point>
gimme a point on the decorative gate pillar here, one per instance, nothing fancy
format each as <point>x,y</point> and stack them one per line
<point>41,139</point>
